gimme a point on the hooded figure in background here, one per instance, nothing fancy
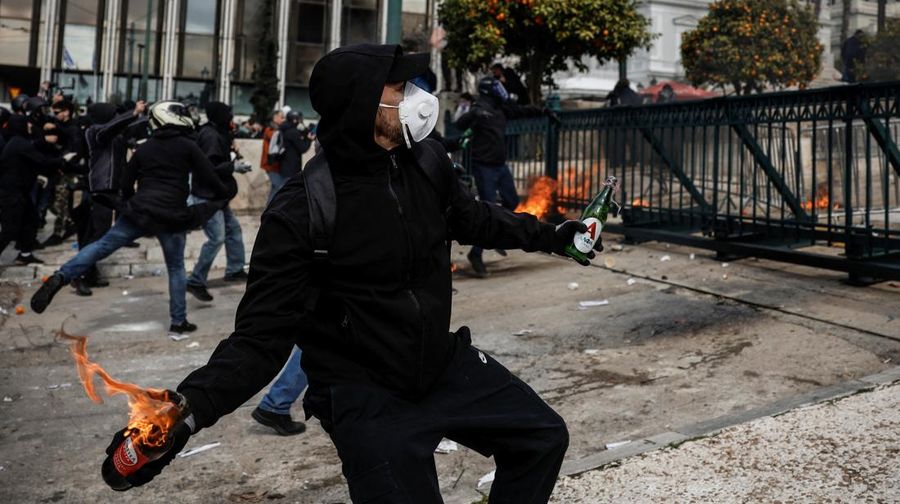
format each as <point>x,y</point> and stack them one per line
<point>21,162</point>
<point>161,167</point>
<point>215,139</point>
<point>297,140</point>
<point>371,313</point>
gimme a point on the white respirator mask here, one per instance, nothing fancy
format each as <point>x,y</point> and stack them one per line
<point>418,113</point>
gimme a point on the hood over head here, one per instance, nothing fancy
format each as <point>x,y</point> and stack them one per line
<point>17,125</point>
<point>219,114</point>
<point>345,88</point>
<point>101,113</point>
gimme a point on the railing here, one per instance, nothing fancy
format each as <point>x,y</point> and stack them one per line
<point>768,175</point>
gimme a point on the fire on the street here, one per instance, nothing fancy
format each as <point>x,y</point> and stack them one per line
<point>822,201</point>
<point>151,414</point>
<point>541,196</point>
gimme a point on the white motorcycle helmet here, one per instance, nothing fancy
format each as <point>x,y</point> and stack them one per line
<point>170,113</point>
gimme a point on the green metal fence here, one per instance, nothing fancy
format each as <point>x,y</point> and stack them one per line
<point>777,175</point>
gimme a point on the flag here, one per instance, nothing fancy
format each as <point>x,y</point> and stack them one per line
<point>68,62</point>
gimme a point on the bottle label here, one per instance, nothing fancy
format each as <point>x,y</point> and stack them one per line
<point>128,458</point>
<point>584,242</point>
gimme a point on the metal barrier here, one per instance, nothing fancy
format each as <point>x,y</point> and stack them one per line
<point>774,175</point>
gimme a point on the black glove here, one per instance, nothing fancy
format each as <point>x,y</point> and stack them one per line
<point>565,235</point>
<point>180,433</point>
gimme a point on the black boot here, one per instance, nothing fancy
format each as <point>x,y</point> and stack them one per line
<point>478,267</point>
<point>24,259</point>
<point>81,288</point>
<point>199,292</point>
<point>53,241</point>
<point>184,327</point>
<point>41,299</point>
<point>284,425</point>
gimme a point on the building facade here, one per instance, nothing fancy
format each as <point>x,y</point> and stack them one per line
<point>192,50</point>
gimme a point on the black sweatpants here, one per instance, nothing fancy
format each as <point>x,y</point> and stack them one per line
<point>386,444</point>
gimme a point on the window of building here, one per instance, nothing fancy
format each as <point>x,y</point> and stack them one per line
<point>307,38</point>
<point>198,50</point>
<point>15,31</point>
<point>359,21</point>
<point>80,43</point>
<point>247,29</point>
<point>133,48</point>
<point>415,25</point>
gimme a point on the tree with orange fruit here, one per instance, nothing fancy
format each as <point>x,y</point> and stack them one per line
<point>543,34</point>
<point>753,44</point>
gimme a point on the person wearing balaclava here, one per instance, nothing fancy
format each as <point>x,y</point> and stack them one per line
<point>21,162</point>
<point>487,119</point>
<point>161,167</point>
<point>214,139</point>
<point>371,312</point>
<point>297,140</point>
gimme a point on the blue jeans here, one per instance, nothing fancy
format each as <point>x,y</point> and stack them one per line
<point>277,180</point>
<point>222,228</point>
<point>491,180</point>
<point>287,388</point>
<point>122,233</point>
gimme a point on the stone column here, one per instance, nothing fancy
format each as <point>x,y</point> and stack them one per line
<point>110,48</point>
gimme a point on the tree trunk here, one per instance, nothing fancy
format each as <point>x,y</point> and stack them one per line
<point>882,14</point>
<point>535,65</point>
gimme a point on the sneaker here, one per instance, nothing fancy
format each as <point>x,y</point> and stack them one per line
<point>53,241</point>
<point>477,265</point>
<point>81,288</point>
<point>184,327</point>
<point>240,276</point>
<point>41,299</point>
<point>133,244</point>
<point>199,292</point>
<point>24,260</point>
<point>95,282</point>
<point>501,252</point>
<point>284,425</point>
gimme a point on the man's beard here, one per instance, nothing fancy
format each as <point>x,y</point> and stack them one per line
<point>385,127</point>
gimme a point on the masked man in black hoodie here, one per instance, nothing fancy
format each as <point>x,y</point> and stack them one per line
<point>214,139</point>
<point>371,313</point>
<point>160,167</point>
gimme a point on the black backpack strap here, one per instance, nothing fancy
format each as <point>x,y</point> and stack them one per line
<point>322,200</point>
<point>433,160</point>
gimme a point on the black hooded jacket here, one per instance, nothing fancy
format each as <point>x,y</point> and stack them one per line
<point>488,122</point>
<point>21,161</point>
<point>383,312</point>
<point>161,166</point>
<point>107,149</point>
<point>215,142</point>
<point>296,143</point>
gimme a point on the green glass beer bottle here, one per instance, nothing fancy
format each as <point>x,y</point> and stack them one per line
<point>594,217</point>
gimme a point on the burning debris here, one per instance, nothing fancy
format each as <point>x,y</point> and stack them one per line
<point>822,201</point>
<point>541,197</point>
<point>545,193</point>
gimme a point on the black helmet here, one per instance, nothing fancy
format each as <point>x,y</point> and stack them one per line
<point>18,103</point>
<point>491,87</point>
<point>294,117</point>
<point>37,105</point>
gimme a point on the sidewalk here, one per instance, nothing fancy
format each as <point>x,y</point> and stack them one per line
<point>842,450</point>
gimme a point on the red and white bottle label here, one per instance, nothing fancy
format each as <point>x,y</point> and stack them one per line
<point>584,242</point>
<point>128,458</point>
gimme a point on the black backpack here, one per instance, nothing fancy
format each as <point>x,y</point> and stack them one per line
<point>431,158</point>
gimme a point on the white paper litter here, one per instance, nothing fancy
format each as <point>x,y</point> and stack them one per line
<point>589,304</point>
<point>609,262</point>
<point>522,332</point>
<point>618,248</point>
<point>194,451</point>
<point>619,444</point>
<point>631,281</point>
<point>128,277</point>
<point>592,351</point>
<point>725,276</point>
<point>693,256</point>
<point>446,446</point>
<point>58,386</point>
<point>193,345</point>
<point>124,292</point>
<point>7,399</point>
<point>178,337</point>
<point>724,265</point>
<point>572,286</point>
<point>665,258</point>
<point>487,478</point>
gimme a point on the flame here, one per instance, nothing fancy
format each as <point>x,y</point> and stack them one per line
<point>151,413</point>
<point>541,195</point>
<point>453,267</point>
<point>640,203</point>
<point>822,201</point>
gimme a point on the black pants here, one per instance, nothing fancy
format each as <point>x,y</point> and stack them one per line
<point>386,444</point>
<point>18,221</point>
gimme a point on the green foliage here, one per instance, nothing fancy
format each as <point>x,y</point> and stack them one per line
<point>265,75</point>
<point>544,34</point>
<point>883,54</point>
<point>751,44</point>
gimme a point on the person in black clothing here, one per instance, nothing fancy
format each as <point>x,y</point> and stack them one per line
<point>387,378</point>
<point>487,118</point>
<point>511,81</point>
<point>20,165</point>
<point>622,94</point>
<point>161,167</point>
<point>74,152</point>
<point>853,53</point>
<point>214,139</point>
<point>297,140</point>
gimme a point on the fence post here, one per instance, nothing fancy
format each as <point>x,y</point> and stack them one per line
<point>551,150</point>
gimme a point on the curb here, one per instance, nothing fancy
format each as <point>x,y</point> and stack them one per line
<point>715,425</point>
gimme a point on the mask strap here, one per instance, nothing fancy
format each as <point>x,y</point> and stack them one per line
<point>385,105</point>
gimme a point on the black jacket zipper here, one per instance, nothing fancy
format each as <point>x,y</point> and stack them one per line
<point>406,276</point>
